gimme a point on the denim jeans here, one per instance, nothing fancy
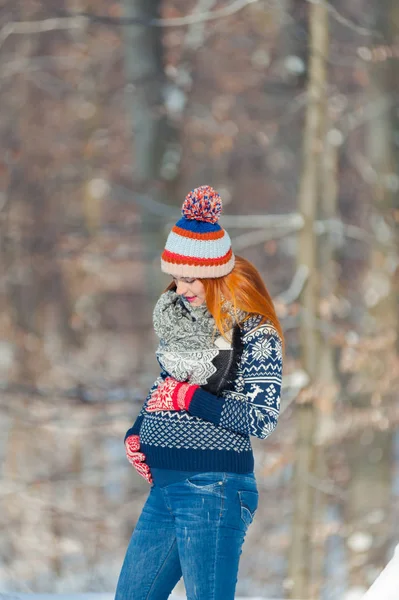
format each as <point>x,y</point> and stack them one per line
<point>195,528</point>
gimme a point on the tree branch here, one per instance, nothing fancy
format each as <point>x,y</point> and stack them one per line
<point>296,286</point>
<point>231,9</point>
<point>286,221</point>
<point>348,22</point>
<point>67,20</point>
<point>26,27</point>
<point>252,238</point>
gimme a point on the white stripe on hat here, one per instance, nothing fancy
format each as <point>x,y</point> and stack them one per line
<point>198,248</point>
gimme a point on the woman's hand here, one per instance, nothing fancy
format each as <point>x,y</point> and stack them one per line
<point>171,395</point>
<point>136,458</point>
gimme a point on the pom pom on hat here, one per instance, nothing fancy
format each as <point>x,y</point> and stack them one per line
<point>202,204</point>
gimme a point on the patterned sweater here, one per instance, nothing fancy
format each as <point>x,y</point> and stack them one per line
<point>214,435</point>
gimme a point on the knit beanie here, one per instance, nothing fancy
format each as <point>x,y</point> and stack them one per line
<point>198,246</point>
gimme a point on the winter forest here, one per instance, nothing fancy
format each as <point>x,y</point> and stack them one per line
<point>111,112</point>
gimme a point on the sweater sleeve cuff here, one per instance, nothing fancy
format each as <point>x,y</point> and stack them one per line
<point>136,427</point>
<point>206,406</point>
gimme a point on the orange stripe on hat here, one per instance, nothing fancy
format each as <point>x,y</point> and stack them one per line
<point>211,235</point>
<point>179,259</point>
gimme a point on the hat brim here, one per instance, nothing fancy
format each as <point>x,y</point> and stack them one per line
<point>198,271</point>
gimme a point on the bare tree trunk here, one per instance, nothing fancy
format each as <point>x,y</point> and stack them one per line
<point>368,510</point>
<point>156,156</point>
<point>147,82</point>
<point>327,371</point>
<point>301,544</point>
<point>34,295</point>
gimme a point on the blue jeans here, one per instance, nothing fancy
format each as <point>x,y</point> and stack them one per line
<point>195,528</point>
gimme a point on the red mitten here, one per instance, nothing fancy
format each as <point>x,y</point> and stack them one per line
<point>171,395</point>
<point>136,458</point>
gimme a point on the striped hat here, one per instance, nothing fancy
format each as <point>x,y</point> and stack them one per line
<point>198,246</point>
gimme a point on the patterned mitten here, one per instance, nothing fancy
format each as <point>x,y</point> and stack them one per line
<point>136,458</point>
<point>171,395</point>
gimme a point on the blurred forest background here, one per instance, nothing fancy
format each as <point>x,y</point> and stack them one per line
<point>110,113</point>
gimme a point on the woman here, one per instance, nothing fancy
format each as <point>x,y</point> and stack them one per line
<point>220,354</point>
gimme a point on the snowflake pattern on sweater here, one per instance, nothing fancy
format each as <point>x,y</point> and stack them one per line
<point>215,432</point>
<point>252,408</point>
<point>261,376</point>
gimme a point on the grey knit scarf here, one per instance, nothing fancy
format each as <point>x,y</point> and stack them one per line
<point>187,338</point>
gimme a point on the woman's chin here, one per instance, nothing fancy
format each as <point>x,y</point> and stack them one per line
<point>197,302</point>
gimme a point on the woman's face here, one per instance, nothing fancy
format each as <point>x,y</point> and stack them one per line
<point>192,289</point>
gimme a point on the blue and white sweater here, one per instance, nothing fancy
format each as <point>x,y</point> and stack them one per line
<point>214,435</point>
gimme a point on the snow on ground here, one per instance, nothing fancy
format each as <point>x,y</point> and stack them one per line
<point>386,586</point>
<point>17,596</point>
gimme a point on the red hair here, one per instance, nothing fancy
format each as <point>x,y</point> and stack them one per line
<point>245,288</point>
